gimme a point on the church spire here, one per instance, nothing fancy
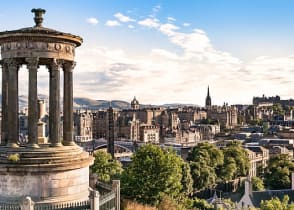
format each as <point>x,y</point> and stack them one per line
<point>208,99</point>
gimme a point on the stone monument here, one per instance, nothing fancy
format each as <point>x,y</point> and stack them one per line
<point>59,170</point>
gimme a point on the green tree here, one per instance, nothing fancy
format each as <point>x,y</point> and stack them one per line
<point>257,184</point>
<point>205,159</point>
<point>105,167</point>
<point>276,204</point>
<point>236,161</point>
<point>202,204</point>
<point>187,181</point>
<point>278,172</point>
<point>153,174</point>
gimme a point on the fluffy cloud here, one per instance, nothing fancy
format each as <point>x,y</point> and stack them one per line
<point>92,21</point>
<point>186,24</point>
<point>168,29</point>
<point>112,23</point>
<point>180,75</point>
<point>123,18</point>
<point>150,22</point>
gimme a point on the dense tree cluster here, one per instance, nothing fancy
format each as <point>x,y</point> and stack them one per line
<point>210,165</point>
<point>278,172</point>
<point>159,177</point>
<point>155,173</point>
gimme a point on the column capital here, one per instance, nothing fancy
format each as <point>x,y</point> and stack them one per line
<point>55,65</point>
<point>32,63</point>
<point>69,66</point>
<point>11,62</point>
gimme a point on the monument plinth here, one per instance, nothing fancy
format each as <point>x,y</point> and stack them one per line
<point>53,172</point>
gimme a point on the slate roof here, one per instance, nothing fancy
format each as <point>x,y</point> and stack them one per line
<point>258,196</point>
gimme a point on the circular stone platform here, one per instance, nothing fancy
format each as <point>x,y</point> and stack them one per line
<point>46,174</point>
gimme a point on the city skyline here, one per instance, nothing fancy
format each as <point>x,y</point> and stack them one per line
<point>165,53</point>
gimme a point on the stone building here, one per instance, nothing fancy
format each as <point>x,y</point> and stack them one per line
<point>259,157</point>
<point>225,115</point>
<point>149,133</point>
<point>207,132</point>
<point>128,128</point>
<point>188,137</point>
<point>83,125</point>
<point>58,171</point>
<point>191,114</point>
<point>99,124</point>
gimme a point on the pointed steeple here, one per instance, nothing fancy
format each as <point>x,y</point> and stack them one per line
<point>208,99</point>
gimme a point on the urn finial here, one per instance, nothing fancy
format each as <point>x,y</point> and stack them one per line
<point>38,16</point>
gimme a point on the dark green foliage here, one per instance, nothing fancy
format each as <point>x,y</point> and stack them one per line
<point>105,167</point>
<point>204,160</point>
<point>278,172</point>
<point>153,174</point>
<point>187,181</point>
<point>236,162</point>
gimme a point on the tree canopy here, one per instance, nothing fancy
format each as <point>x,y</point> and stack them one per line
<point>105,167</point>
<point>278,172</point>
<point>154,173</point>
<point>276,204</point>
<point>236,161</point>
<point>204,160</point>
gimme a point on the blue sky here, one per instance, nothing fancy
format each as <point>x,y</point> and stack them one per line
<point>170,50</point>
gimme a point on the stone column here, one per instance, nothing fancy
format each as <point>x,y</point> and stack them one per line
<point>12,111</point>
<point>4,117</point>
<point>54,103</point>
<point>68,104</point>
<point>32,65</point>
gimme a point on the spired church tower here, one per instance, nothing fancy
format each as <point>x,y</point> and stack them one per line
<point>208,99</point>
<point>53,172</point>
<point>135,105</point>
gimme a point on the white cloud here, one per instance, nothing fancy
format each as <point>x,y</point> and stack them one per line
<point>171,19</point>
<point>180,75</point>
<point>168,28</point>
<point>92,21</point>
<point>123,18</point>
<point>186,24</point>
<point>112,23</point>
<point>131,26</point>
<point>150,22</point>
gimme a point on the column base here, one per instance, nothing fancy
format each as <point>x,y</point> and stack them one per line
<point>33,145</point>
<point>13,145</point>
<point>56,145</point>
<point>69,143</point>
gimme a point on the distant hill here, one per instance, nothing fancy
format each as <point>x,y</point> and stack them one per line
<point>99,104</point>
<point>87,103</point>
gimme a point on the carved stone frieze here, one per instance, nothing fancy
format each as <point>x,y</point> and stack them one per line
<point>38,49</point>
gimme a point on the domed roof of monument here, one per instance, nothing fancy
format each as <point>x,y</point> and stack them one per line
<point>39,31</point>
